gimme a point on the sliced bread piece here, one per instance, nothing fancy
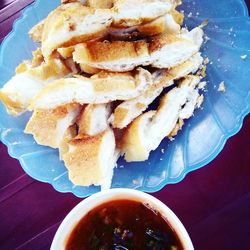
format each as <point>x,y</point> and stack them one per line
<point>168,51</point>
<point>90,159</point>
<point>101,88</point>
<point>117,56</point>
<point>72,23</point>
<point>94,119</point>
<point>148,130</point>
<point>165,51</point>
<point>49,126</point>
<point>164,24</point>
<point>17,93</point>
<point>127,111</point>
<point>130,13</point>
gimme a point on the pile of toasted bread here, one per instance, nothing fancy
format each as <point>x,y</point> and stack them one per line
<point>100,64</point>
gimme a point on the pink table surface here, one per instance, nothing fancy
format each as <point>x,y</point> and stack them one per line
<point>213,202</point>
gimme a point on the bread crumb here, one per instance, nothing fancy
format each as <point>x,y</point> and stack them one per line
<point>202,85</point>
<point>222,87</point>
<point>6,132</point>
<point>206,60</point>
<point>200,100</point>
<point>136,182</point>
<point>204,23</point>
<point>243,57</point>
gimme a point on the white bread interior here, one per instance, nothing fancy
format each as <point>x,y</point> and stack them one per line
<point>17,93</point>
<point>164,51</point>
<point>147,131</point>
<point>129,13</point>
<point>101,88</point>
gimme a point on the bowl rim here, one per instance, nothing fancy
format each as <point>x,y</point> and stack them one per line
<point>80,210</point>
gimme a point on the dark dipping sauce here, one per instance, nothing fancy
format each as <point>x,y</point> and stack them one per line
<point>121,225</point>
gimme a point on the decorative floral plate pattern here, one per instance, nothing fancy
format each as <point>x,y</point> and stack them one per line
<point>203,136</point>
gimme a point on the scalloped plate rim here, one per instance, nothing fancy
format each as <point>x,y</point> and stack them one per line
<point>224,138</point>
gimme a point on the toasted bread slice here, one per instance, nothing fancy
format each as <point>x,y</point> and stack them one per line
<point>130,13</point>
<point>101,88</point>
<point>165,51</point>
<point>94,119</point>
<point>114,56</point>
<point>148,130</point>
<point>49,126</point>
<point>168,51</point>
<point>17,93</point>
<point>169,23</point>
<point>127,111</point>
<point>72,23</point>
<point>90,159</point>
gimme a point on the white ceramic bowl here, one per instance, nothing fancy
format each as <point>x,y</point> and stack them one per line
<point>78,212</point>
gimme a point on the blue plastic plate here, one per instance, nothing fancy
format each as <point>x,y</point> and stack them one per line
<point>203,136</point>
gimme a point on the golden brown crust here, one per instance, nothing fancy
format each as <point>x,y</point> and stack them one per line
<point>119,116</point>
<point>162,40</point>
<point>43,124</point>
<point>84,120</point>
<point>178,16</point>
<point>50,69</point>
<point>83,159</point>
<point>22,67</point>
<point>100,4</point>
<point>66,52</point>
<point>70,133</point>
<point>176,129</point>
<point>109,51</point>
<point>13,107</point>
<point>155,27</point>
<point>37,59</point>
